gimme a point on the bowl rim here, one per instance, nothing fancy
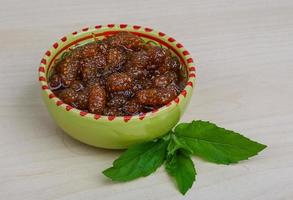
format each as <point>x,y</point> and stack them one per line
<point>159,36</point>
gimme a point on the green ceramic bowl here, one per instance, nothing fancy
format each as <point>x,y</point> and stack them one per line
<point>113,132</point>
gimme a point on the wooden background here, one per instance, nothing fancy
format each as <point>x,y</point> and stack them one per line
<point>244,53</point>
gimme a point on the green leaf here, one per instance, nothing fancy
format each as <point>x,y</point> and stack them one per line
<point>176,144</point>
<point>216,144</point>
<point>180,166</point>
<point>139,160</point>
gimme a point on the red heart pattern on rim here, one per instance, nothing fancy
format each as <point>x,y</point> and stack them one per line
<point>44,61</point>
<point>171,39</point>
<point>68,107</point>
<point>127,118</point>
<point>55,45</point>
<point>63,39</point>
<point>83,113</point>
<point>85,29</point>
<point>191,69</point>
<point>123,25</point>
<point>178,45</point>
<point>136,27</point>
<point>111,118</point>
<point>45,87</point>
<point>97,117</point>
<point>191,76</point>
<point>59,103</point>
<point>162,34</point>
<point>48,53</point>
<point>185,53</point>
<point>41,78</point>
<point>41,69</point>
<point>51,96</point>
<point>148,29</point>
<point>184,93</point>
<point>189,60</point>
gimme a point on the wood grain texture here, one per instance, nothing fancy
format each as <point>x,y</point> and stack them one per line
<point>244,53</point>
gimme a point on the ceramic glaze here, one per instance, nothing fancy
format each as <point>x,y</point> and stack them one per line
<point>113,132</point>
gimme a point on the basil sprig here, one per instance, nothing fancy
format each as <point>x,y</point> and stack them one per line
<point>199,138</point>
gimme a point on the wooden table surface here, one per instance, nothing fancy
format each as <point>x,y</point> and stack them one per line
<point>244,53</point>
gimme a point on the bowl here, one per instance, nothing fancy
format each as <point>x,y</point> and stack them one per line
<point>114,132</point>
